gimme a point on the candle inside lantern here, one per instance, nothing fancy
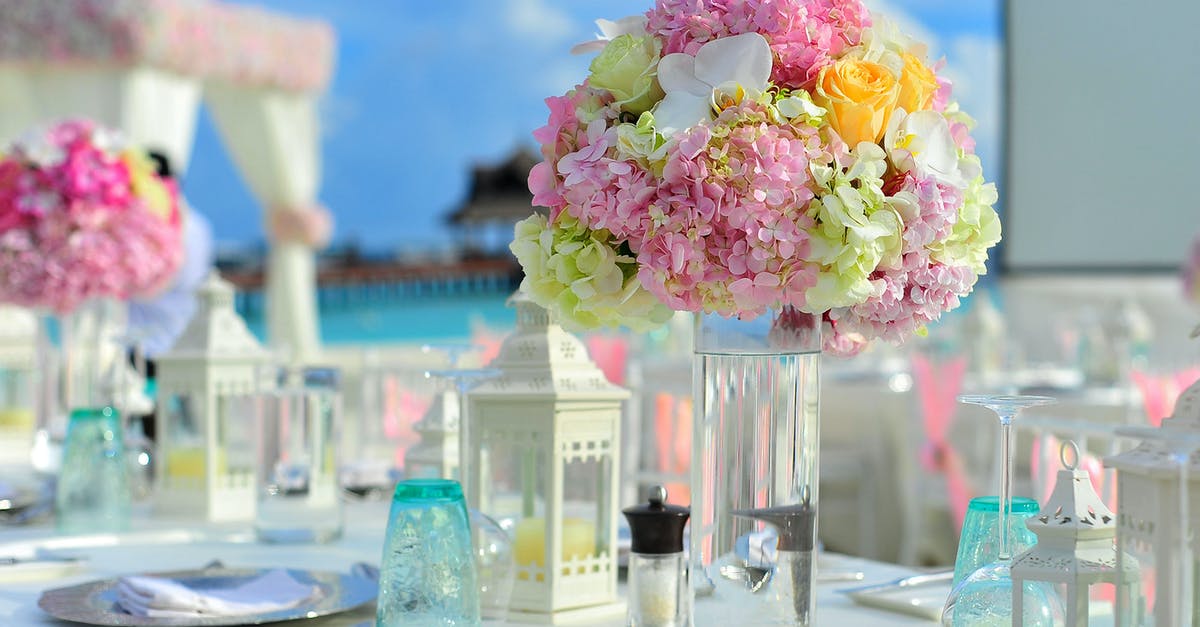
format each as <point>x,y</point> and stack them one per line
<point>529,543</point>
<point>16,418</point>
<point>189,463</point>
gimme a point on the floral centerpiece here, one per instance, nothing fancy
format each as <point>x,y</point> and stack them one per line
<point>82,217</point>
<point>735,157</point>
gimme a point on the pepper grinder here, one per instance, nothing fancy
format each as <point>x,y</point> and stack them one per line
<point>658,587</point>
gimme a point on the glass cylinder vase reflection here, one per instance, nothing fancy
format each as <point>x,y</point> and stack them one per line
<point>298,492</point>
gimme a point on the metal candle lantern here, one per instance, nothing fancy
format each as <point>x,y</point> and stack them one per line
<point>1075,545</point>
<point>542,446</point>
<point>1158,494</point>
<point>205,430</point>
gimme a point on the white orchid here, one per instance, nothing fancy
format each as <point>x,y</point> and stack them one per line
<point>609,30</point>
<point>922,141</point>
<point>722,73</point>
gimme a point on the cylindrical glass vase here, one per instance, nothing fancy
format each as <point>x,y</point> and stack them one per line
<point>755,467</point>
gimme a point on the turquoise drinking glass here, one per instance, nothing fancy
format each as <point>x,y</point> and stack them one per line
<point>427,576</point>
<point>977,544</point>
<point>93,487</point>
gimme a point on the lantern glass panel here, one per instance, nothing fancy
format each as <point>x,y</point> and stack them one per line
<point>585,503</point>
<point>185,436</point>
<point>16,399</point>
<point>516,474</point>
<point>235,435</point>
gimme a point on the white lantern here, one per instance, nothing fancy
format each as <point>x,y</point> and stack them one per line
<point>1074,550</point>
<point>18,366</point>
<point>1158,512</point>
<point>205,429</point>
<point>542,450</point>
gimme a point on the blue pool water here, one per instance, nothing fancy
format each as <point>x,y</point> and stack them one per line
<point>411,320</point>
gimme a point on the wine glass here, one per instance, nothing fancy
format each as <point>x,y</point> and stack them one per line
<point>985,596</point>
<point>452,350</point>
<point>463,380</point>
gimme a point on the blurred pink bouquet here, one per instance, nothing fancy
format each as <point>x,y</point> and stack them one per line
<point>83,217</point>
<point>735,157</point>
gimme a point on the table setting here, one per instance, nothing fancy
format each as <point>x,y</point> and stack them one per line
<point>740,207</point>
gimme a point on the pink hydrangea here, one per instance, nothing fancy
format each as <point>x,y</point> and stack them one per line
<point>563,134</point>
<point>934,212</point>
<point>910,297</point>
<point>728,230</point>
<point>805,35</point>
<point>72,227</point>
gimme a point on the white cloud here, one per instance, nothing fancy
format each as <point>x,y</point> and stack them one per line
<point>975,67</point>
<point>537,19</point>
<point>908,24</point>
<point>973,64</point>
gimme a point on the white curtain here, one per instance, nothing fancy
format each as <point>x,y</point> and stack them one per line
<point>273,137</point>
<point>155,109</point>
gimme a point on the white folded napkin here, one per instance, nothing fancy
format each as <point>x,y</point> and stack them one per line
<point>157,597</point>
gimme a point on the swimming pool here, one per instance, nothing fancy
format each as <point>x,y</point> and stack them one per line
<point>414,319</point>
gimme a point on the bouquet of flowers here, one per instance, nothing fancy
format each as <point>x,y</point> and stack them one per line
<point>739,156</point>
<point>83,217</point>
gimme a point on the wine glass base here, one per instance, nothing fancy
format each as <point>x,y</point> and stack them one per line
<point>985,598</point>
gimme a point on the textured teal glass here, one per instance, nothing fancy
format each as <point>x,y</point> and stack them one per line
<point>93,488</point>
<point>977,544</point>
<point>427,576</point>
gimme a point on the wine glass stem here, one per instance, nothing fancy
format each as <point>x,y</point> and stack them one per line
<point>465,472</point>
<point>1006,476</point>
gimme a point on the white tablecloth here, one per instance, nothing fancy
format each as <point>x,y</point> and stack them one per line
<point>158,545</point>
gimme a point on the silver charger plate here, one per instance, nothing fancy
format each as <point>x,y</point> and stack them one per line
<point>94,603</point>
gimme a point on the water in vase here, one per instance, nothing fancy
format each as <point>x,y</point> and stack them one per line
<point>754,478</point>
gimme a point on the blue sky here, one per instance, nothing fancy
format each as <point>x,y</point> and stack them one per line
<point>421,94</point>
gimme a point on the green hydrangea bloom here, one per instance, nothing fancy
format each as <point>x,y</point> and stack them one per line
<point>581,276</point>
<point>641,142</point>
<point>627,68</point>
<point>977,229</point>
<point>856,230</point>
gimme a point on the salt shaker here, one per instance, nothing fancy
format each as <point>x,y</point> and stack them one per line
<point>658,587</point>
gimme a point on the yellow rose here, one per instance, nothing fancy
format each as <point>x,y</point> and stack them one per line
<point>146,185</point>
<point>917,85</point>
<point>859,96</point>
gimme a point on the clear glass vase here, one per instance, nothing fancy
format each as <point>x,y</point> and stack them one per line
<point>755,468</point>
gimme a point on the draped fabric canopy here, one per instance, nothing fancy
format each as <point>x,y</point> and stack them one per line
<point>144,67</point>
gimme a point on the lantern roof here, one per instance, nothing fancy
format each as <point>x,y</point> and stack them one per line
<point>1074,510</point>
<point>542,360</point>
<point>1160,448</point>
<point>216,332</point>
<point>1075,533</point>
